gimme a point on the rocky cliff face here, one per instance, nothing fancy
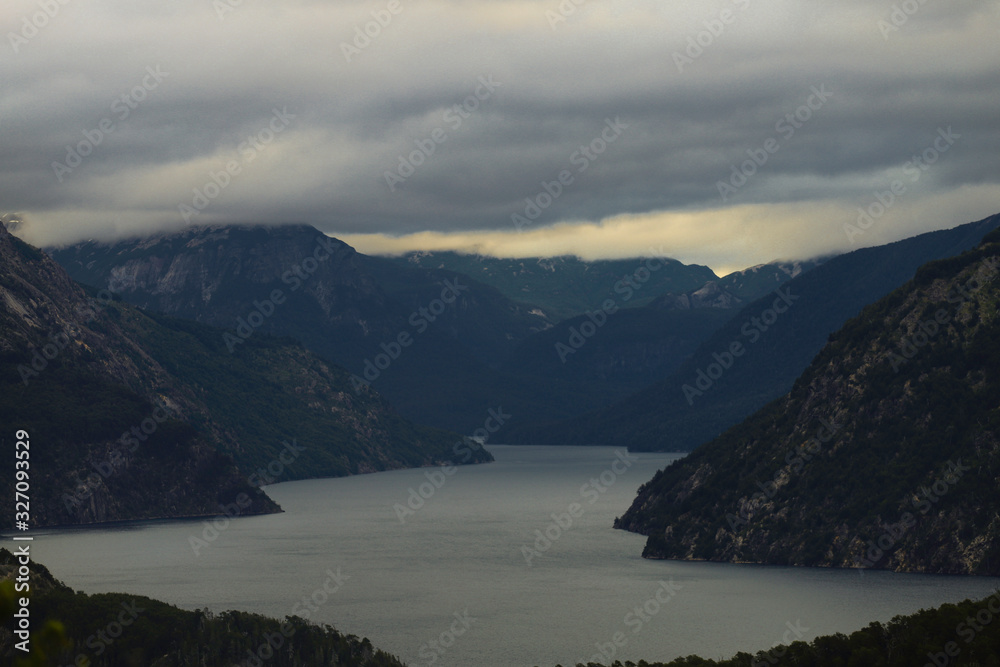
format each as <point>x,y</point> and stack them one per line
<point>710,295</point>
<point>342,305</point>
<point>134,416</point>
<point>885,454</point>
<point>78,385</point>
<point>215,274</point>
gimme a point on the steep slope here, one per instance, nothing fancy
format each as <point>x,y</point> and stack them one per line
<point>215,276</point>
<point>279,400</point>
<point>631,347</point>
<point>295,281</point>
<point>775,337</point>
<point>135,416</point>
<point>885,454</point>
<point>737,288</point>
<point>625,348</point>
<point>755,282</point>
<point>442,348</point>
<point>109,433</point>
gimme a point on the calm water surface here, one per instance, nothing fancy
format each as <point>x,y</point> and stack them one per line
<point>462,554</point>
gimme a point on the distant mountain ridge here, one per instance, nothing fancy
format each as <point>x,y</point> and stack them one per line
<point>714,390</point>
<point>885,454</point>
<point>566,286</point>
<point>442,355</point>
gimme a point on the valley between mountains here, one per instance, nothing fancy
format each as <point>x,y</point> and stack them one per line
<point>839,411</point>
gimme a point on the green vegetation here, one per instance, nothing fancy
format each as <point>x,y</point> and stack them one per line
<point>272,391</point>
<point>948,635</point>
<point>118,630</point>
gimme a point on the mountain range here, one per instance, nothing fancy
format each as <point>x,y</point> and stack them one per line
<point>757,354</point>
<point>566,286</point>
<point>441,346</point>
<point>241,333</point>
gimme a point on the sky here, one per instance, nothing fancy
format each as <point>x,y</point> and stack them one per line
<point>724,133</point>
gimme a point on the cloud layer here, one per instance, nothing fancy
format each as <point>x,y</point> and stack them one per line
<point>733,131</point>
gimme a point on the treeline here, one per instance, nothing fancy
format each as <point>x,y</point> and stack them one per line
<point>119,630</point>
<point>967,633</point>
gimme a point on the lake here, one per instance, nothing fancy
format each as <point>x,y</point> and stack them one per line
<point>509,563</point>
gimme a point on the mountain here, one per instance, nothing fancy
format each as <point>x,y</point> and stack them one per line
<point>755,282</point>
<point>138,416</point>
<point>632,348</point>
<point>885,454</point>
<point>737,288</point>
<point>756,356</point>
<point>628,349</point>
<point>566,286</point>
<point>428,340</point>
<point>279,399</point>
<point>710,295</point>
<point>443,348</point>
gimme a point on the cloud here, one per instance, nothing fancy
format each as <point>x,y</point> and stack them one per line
<point>368,104</point>
<point>752,233</point>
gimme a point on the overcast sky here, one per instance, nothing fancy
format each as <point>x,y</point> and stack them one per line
<point>114,113</point>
